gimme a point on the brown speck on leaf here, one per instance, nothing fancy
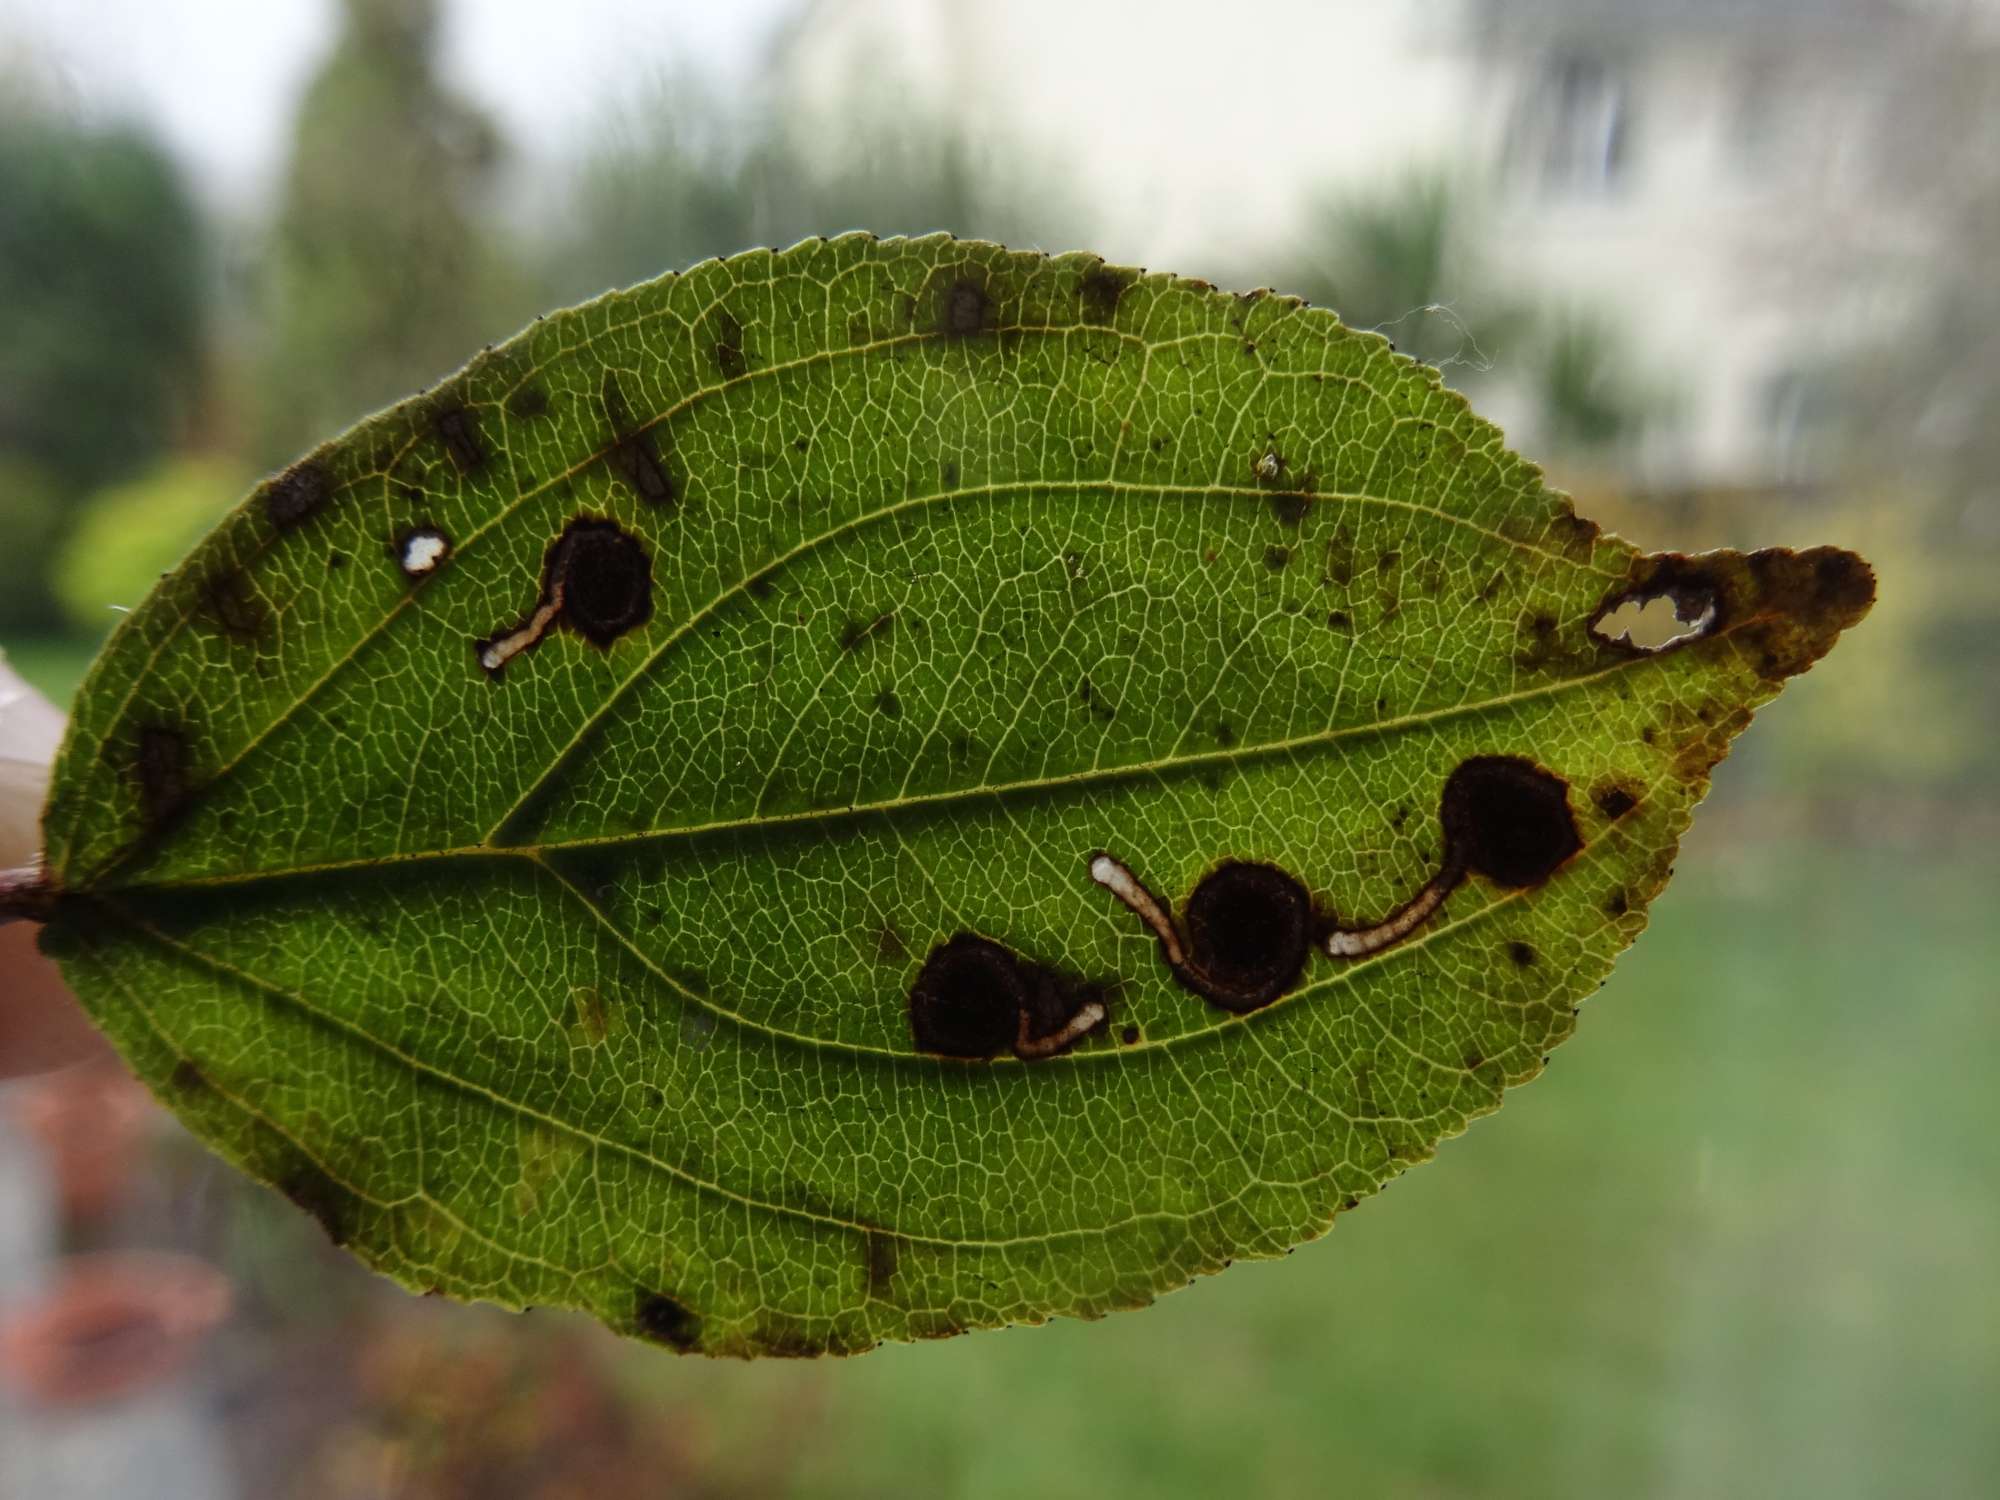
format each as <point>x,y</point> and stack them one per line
<point>728,345</point>
<point>966,310</point>
<point>232,604</point>
<point>188,1078</point>
<point>1101,289</point>
<point>1289,507</point>
<point>856,632</point>
<point>661,1319</point>
<point>878,1255</point>
<point>297,495</point>
<point>1614,800</point>
<point>634,460</point>
<point>456,429</point>
<point>162,771</point>
<point>310,1188</point>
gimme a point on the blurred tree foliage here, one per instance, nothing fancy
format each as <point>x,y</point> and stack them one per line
<point>1408,259</point>
<point>130,533</point>
<point>1404,259</point>
<point>102,264</point>
<point>682,174</point>
<point>382,276</point>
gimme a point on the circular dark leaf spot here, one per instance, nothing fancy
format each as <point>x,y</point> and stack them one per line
<point>967,309</point>
<point>1507,819</point>
<point>604,579</point>
<point>1249,928</point>
<point>968,998</point>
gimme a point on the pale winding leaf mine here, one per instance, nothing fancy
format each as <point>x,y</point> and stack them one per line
<point>885,789</point>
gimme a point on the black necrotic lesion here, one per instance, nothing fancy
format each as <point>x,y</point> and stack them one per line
<point>976,999</point>
<point>1249,926</point>
<point>597,578</point>
<point>1249,929</point>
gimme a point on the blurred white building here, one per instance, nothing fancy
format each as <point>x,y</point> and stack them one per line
<point>1710,173</point>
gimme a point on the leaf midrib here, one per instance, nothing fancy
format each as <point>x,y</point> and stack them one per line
<point>1235,755</point>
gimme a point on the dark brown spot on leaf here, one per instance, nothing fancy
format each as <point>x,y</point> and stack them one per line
<point>968,999</point>
<point>229,600</point>
<point>975,999</point>
<point>1249,927</point>
<point>663,1320</point>
<point>1275,558</point>
<point>728,346</point>
<point>1614,801</point>
<point>527,403</point>
<point>456,429</point>
<point>1522,954</point>
<point>1507,819</point>
<point>879,1258</point>
<point>310,1188</point>
<point>604,579</point>
<point>967,309</point>
<point>596,578</point>
<point>1339,568</point>
<point>855,632</point>
<point>634,460</point>
<point>161,768</point>
<point>888,705</point>
<point>1088,695</point>
<point>1101,288</point>
<point>297,495</point>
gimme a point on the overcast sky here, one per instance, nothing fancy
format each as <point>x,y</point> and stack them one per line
<point>219,78</point>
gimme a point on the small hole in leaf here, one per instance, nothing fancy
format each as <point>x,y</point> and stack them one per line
<point>420,551</point>
<point>1650,622</point>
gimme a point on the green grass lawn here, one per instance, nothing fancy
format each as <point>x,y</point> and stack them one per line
<point>1741,1240</point>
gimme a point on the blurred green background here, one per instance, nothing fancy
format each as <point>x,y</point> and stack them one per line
<point>1727,270</point>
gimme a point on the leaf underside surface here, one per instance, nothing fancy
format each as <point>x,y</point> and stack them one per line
<point>553,831</point>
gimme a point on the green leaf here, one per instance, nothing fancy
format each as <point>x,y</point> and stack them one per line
<point>552,830</point>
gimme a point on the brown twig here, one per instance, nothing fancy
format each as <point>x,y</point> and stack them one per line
<point>26,895</point>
